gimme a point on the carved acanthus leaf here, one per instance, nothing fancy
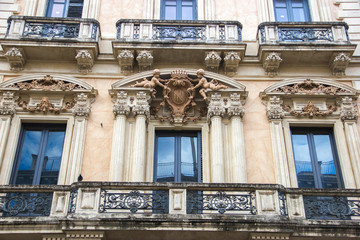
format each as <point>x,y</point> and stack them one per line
<point>310,110</point>
<point>121,107</point>
<point>82,105</point>
<point>310,88</point>
<point>275,109</point>
<point>46,84</point>
<point>348,109</point>
<point>7,104</point>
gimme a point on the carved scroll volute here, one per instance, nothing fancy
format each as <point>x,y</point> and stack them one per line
<point>8,103</point>
<point>121,106</point>
<point>142,104</point>
<point>236,106</point>
<point>216,105</point>
<point>348,109</point>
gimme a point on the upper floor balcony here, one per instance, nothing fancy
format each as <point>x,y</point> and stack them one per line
<point>304,43</point>
<point>237,208</point>
<point>47,38</point>
<point>178,42</point>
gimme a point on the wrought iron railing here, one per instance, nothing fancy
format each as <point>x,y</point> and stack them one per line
<point>304,32</point>
<point>26,27</point>
<point>200,31</point>
<point>106,198</point>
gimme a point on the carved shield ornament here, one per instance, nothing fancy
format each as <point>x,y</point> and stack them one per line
<point>178,93</point>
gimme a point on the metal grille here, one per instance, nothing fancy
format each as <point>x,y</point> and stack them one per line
<point>51,30</point>
<point>305,34</point>
<point>179,33</point>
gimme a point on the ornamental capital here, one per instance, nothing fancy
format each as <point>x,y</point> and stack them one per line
<point>348,109</point>
<point>236,108</point>
<point>121,106</point>
<point>216,105</point>
<point>82,105</point>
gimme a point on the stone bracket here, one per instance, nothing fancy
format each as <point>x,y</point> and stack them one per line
<point>126,61</point>
<point>16,59</point>
<point>145,60</point>
<point>85,60</point>
<point>339,63</point>
<point>212,61</point>
<point>271,63</point>
<point>231,62</point>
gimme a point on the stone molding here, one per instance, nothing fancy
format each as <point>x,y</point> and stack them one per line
<point>83,235</point>
<point>16,59</point>
<point>339,63</point>
<point>269,236</point>
<point>85,60</point>
<point>145,60</point>
<point>271,64</point>
<point>231,63</point>
<point>212,61</point>
<point>126,61</point>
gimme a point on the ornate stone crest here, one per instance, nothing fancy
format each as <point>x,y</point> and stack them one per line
<point>310,110</point>
<point>179,94</point>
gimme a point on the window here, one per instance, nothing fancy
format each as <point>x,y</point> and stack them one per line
<point>292,11</point>
<point>38,154</point>
<point>177,156</point>
<point>316,160</point>
<point>65,8</point>
<point>178,10</point>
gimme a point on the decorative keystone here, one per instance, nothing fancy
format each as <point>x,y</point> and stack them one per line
<point>212,61</point>
<point>16,59</point>
<point>85,60</point>
<point>126,61</point>
<point>145,60</point>
<point>339,64</point>
<point>231,63</point>
<point>271,64</point>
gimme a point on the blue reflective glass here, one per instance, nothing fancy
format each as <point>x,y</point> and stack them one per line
<point>280,3</point>
<point>281,14</point>
<point>297,3</point>
<point>189,161</point>
<point>178,9</point>
<point>325,162</point>
<point>291,10</point>
<point>28,157</point>
<point>303,164</point>
<point>187,13</point>
<point>165,159</point>
<point>57,10</point>
<point>52,157</point>
<point>299,14</point>
<point>170,13</point>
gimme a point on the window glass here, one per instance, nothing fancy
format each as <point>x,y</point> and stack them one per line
<point>177,156</point>
<point>65,8</point>
<point>291,10</point>
<point>315,156</point>
<point>178,9</point>
<point>39,153</point>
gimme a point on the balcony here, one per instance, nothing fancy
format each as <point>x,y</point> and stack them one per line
<point>131,207</point>
<point>177,42</point>
<point>305,43</point>
<point>44,38</point>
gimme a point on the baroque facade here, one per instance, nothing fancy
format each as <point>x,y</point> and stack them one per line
<point>179,119</point>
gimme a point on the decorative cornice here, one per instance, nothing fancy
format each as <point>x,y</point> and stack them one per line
<point>16,59</point>
<point>272,63</point>
<point>85,60</point>
<point>310,110</point>
<point>121,106</point>
<point>348,110</point>
<point>47,83</point>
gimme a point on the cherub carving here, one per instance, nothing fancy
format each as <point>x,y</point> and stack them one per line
<point>213,84</point>
<point>155,81</point>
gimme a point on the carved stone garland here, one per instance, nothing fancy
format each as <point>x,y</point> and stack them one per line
<point>309,87</point>
<point>179,92</point>
<point>310,110</point>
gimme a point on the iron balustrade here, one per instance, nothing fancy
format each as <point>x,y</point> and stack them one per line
<point>312,32</point>
<point>199,31</point>
<point>27,27</point>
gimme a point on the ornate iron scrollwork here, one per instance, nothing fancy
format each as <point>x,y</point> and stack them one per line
<point>320,207</point>
<point>198,202</point>
<point>25,204</point>
<point>53,30</point>
<point>179,33</point>
<point>73,199</point>
<point>282,202</point>
<point>305,34</point>
<point>157,201</point>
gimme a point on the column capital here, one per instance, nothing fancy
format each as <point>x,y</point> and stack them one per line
<point>216,105</point>
<point>8,103</point>
<point>82,105</point>
<point>348,109</point>
<point>142,105</point>
<point>121,106</point>
<point>275,109</point>
<point>236,107</point>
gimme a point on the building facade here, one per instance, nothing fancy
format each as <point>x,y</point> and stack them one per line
<point>179,119</point>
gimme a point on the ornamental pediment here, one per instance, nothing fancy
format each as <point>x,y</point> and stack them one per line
<point>179,95</point>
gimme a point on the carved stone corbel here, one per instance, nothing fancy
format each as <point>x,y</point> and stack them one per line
<point>8,103</point>
<point>121,106</point>
<point>275,109</point>
<point>236,107</point>
<point>231,63</point>
<point>348,109</point>
<point>272,63</point>
<point>145,60</point>
<point>142,104</point>
<point>339,63</point>
<point>82,105</point>
<point>126,61</point>
<point>16,59</point>
<point>216,105</point>
<point>85,60</point>
<point>212,61</point>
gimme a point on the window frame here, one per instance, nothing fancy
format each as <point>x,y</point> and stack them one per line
<point>67,5</point>
<point>44,128</point>
<point>310,132</point>
<point>289,10</point>
<point>178,10</point>
<point>177,164</point>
